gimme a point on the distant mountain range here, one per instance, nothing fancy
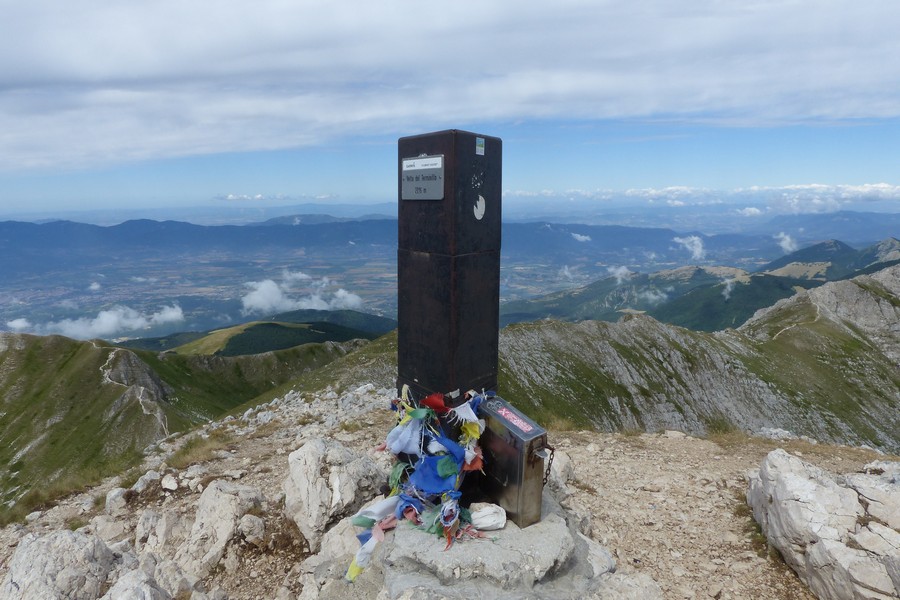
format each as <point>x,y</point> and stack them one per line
<point>57,277</point>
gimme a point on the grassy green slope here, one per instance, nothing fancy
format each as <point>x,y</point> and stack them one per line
<point>65,424</point>
<point>604,300</point>
<point>59,418</point>
<point>264,337</point>
<point>336,325</point>
<point>707,308</point>
<point>831,370</point>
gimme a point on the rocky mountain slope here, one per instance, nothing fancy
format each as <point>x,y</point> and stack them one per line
<point>71,411</point>
<point>660,515</point>
<point>822,364</point>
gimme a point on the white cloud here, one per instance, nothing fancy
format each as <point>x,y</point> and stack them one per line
<point>110,323</point>
<point>693,244</point>
<point>200,77</point>
<point>94,287</point>
<point>270,297</point>
<point>567,273</point>
<point>787,243</point>
<point>267,297</point>
<point>21,324</point>
<point>727,288</point>
<point>820,198</point>
<point>621,273</point>
<point>652,296</point>
<point>581,238</point>
<point>750,211</point>
<point>345,300</point>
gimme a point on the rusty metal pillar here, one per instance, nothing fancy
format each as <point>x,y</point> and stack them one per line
<point>448,262</point>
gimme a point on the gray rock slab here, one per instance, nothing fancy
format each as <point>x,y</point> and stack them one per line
<point>62,564</point>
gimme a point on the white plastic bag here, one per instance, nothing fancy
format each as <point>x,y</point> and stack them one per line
<point>487,517</point>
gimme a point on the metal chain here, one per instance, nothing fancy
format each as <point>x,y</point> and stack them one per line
<point>549,462</point>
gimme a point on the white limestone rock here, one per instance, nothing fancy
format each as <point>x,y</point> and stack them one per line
<point>253,529</point>
<point>115,502</point>
<point>109,529</point>
<point>562,471</point>
<point>327,481</point>
<point>136,585</point>
<point>219,511</point>
<point>173,580</point>
<point>169,483</point>
<point>881,496</point>
<point>534,551</point>
<point>830,534</point>
<point>161,533</point>
<point>145,481</point>
<point>62,564</point>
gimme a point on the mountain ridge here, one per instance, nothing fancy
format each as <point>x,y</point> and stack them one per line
<point>821,364</point>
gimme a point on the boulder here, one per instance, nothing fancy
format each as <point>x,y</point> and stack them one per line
<point>145,481</point>
<point>109,529</point>
<point>136,585</point>
<point>547,560</point>
<point>219,512</point>
<point>62,564</point>
<point>830,530</point>
<point>326,482</point>
<point>161,533</point>
<point>880,495</point>
<point>253,529</point>
<point>116,502</point>
<point>173,580</point>
<point>169,483</point>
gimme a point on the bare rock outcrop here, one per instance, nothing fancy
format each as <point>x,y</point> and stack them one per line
<point>61,564</point>
<point>825,528</point>
<point>219,513</point>
<point>327,481</point>
<point>548,560</point>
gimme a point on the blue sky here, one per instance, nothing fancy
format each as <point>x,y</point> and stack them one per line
<point>175,103</point>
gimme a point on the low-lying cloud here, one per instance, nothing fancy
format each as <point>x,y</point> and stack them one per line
<point>653,296</point>
<point>621,273</point>
<point>109,323</point>
<point>727,288</point>
<point>693,244</point>
<point>787,243</point>
<point>581,238</point>
<point>296,291</point>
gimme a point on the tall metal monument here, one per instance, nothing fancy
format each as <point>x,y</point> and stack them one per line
<point>448,261</point>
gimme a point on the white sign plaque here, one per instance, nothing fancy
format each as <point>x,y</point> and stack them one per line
<point>422,178</point>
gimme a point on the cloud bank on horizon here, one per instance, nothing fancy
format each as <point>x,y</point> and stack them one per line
<point>90,85</point>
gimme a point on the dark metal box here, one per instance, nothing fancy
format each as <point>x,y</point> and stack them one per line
<point>514,448</point>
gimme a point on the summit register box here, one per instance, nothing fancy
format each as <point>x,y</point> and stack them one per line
<point>515,448</point>
<point>448,262</point>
